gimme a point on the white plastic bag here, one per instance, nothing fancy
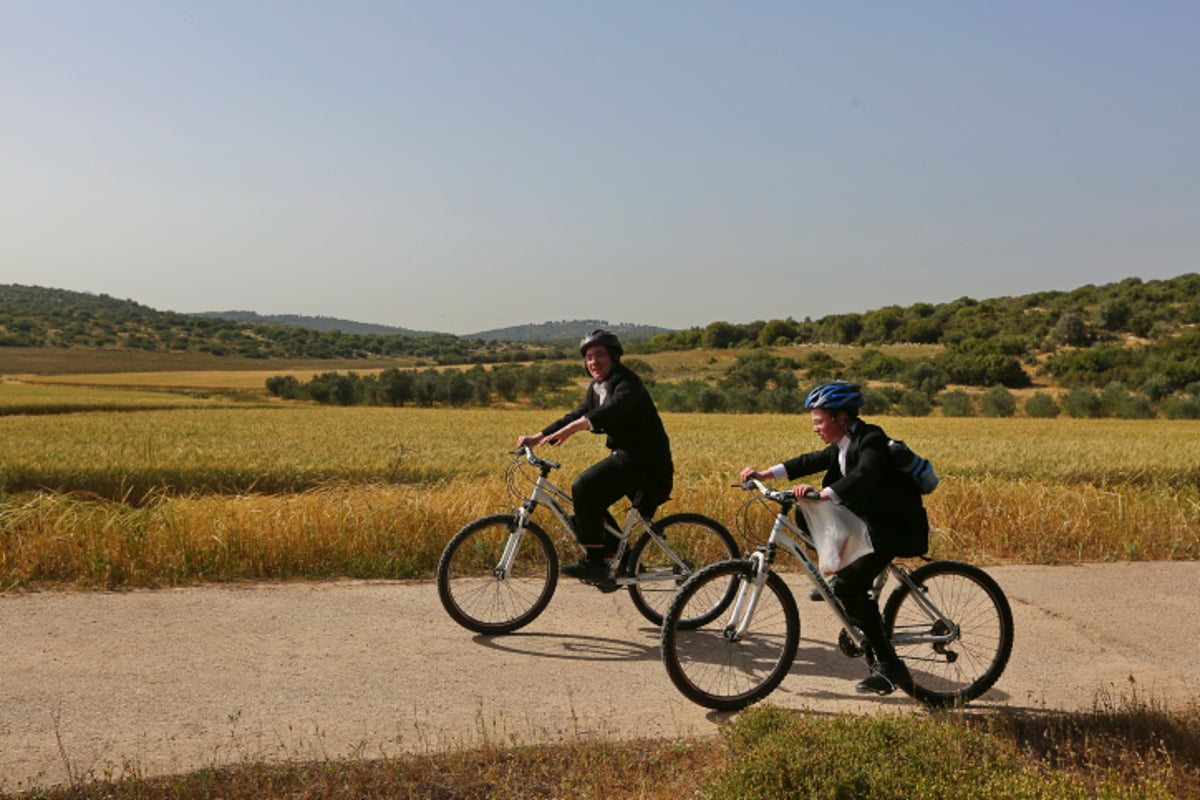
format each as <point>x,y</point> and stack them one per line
<point>839,534</point>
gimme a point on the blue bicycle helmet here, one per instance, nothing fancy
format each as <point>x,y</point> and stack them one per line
<point>835,395</point>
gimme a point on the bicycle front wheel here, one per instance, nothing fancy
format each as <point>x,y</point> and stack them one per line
<point>475,589</point>
<point>693,541</point>
<point>956,636</point>
<point>730,662</point>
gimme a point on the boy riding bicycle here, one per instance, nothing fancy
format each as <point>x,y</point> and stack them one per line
<point>859,473</point>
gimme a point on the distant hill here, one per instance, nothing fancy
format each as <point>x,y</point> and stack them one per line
<point>562,332</point>
<point>34,316</point>
<point>313,323</point>
<point>568,332</point>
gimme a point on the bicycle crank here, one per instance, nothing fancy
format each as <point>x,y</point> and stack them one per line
<point>848,645</point>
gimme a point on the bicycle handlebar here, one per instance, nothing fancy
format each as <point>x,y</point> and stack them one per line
<point>782,496</point>
<point>526,452</point>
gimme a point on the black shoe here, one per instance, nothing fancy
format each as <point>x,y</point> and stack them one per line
<point>611,545</point>
<point>606,585</point>
<point>587,570</point>
<point>885,678</point>
<point>816,596</point>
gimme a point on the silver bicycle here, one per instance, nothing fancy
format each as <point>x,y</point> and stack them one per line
<point>498,573</point>
<point>948,620</point>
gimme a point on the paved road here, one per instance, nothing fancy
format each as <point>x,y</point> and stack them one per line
<point>168,681</point>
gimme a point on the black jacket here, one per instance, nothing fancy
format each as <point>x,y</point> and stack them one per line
<point>631,422</point>
<point>873,488</point>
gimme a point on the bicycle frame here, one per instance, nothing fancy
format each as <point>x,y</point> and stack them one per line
<point>546,493</point>
<point>787,535</point>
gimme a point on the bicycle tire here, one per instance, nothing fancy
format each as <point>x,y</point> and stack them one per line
<point>712,669</point>
<point>479,600</point>
<point>957,672</point>
<point>697,540</point>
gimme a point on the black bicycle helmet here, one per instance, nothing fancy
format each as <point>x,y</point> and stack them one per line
<point>602,337</point>
<point>835,395</point>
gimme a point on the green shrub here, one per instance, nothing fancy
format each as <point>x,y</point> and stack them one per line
<point>998,402</point>
<point>956,403</point>
<point>1083,402</point>
<point>1042,406</point>
<point>915,404</point>
<point>1182,407</point>
<point>876,401</point>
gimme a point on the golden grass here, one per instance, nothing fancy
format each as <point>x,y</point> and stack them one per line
<point>178,496</point>
<point>37,398</point>
<point>91,360</point>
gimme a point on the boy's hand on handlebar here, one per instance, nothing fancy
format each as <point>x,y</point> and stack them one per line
<point>529,441</point>
<point>567,431</point>
<point>808,492</point>
<point>751,474</point>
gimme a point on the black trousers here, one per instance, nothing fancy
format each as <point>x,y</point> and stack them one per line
<point>851,584</point>
<point>597,488</point>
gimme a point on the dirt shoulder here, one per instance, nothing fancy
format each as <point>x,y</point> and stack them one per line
<point>94,684</point>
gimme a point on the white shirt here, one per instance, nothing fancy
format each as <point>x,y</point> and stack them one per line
<point>843,446</point>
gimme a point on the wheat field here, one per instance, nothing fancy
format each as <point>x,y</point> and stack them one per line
<point>177,496</point>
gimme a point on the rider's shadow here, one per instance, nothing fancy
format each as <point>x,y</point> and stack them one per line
<point>818,658</point>
<point>570,647</point>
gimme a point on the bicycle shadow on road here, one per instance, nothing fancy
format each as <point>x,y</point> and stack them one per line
<point>570,647</point>
<point>820,658</point>
<point>817,664</point>
<point>816,658</point>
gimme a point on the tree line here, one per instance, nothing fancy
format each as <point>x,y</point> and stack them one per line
<point>533,384</point>
<point>757,382</point>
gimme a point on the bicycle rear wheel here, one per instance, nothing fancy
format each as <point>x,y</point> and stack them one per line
<point>477,595</point>
<point>697,541</point>
<point>714,666</point>
<point>956,659</point>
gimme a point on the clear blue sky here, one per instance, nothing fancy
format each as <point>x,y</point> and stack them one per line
<point>463,165</point>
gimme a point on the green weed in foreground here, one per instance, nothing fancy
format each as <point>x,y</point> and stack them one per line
<point>777,754</point>
<point>1130,752</point>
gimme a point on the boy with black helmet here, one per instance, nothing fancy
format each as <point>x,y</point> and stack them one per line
<point>618,405</point>
<point>859,474</point>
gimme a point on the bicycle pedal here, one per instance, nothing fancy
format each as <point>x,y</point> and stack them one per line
<point>848,646</point>
<point>605,585</point>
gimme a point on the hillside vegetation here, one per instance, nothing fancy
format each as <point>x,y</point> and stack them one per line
<point>1150,312</point>
<point>1129,349</point>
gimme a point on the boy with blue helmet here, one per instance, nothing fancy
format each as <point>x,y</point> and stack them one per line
<point>858,473</point>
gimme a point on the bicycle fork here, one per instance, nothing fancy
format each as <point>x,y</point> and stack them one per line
<point>513,545</point>
<point>742,611</point>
